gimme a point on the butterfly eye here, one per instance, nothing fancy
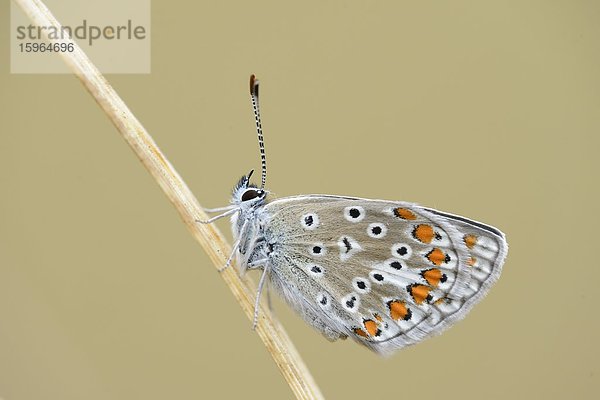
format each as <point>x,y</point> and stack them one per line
<point>252,194</point>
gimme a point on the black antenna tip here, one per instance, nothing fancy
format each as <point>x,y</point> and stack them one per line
<point>253,85</point>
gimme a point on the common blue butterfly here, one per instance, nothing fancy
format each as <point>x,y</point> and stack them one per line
<point>388,274</point>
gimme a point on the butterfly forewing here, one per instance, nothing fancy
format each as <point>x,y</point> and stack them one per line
<point>387,274</point>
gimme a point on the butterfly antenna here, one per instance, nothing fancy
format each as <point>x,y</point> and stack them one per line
<point>261,142</point>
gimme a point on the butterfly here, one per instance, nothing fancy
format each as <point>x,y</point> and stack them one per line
<point>387,274</point>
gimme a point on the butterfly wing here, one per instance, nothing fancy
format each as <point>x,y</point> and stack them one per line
<point>387,274</point>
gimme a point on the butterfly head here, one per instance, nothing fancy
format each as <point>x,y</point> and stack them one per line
<point>248,194</point>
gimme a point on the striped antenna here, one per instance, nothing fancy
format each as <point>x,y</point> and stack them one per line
<point>261,142</point>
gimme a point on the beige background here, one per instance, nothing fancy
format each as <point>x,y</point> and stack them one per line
<point>486,109</point>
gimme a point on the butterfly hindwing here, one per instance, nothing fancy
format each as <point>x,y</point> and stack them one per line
<point>387,274</point>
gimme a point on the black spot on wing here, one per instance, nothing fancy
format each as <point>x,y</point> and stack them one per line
<point>347,244</point>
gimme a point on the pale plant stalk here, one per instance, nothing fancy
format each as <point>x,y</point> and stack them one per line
<point>268,329</point>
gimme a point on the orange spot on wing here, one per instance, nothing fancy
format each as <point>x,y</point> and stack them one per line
<point>378,317</point>
<point>371,327</point>
<point>404,213</point>
<point>471,261</point>
<point>433,276</point>
<point>420,293</point>
<point>470,240</point>
<point>398,310</point>
<point>423,233</point>
<point>360,332</point>
<point>437,256</point>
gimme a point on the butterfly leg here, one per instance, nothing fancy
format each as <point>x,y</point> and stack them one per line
<point>259,290</point>
<point>208,221</point>
<point>235,247</point>
<point>263,262</point>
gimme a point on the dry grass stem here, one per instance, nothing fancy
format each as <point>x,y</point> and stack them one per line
<point>272,334</point>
